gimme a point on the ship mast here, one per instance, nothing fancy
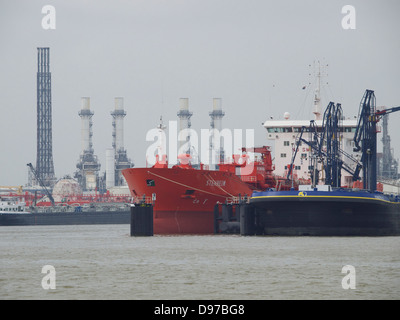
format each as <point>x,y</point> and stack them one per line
<point>162,152</point>
<point>317,94</point>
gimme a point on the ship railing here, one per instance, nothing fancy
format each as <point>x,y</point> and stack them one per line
<point>238,200</point>
<point>143,200</point>
<point>388,181</point>
<point>75,209</point>
<point>248,178</point>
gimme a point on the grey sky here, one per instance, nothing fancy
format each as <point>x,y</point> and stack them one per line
<point>254,54</point>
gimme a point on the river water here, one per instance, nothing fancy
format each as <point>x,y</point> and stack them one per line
<point>104,262</point>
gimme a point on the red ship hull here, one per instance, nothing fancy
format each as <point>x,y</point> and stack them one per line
<point>184,198</point>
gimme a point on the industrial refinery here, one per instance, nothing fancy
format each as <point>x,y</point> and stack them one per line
<point>89,179</point>
<point>88,173</point>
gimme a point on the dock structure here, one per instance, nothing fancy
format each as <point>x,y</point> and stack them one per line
<point>236,218</point>
<point>227,218</point>
<point>142,220</point>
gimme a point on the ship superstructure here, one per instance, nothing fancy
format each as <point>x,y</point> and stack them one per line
<point>284,134</point>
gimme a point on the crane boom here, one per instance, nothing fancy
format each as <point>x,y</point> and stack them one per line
<point>387,111</point>
<point>365,140</point>
<point>365,137</point>
<point>326,147</point>
<point>41,183</point>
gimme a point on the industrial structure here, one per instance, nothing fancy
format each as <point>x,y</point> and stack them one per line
<point>333,131</point>
<point>388,167</point>
<point>44,154</point>
<point>329,209</point>
<point>88,165</point>
<point>116,158</point>
<point>184,116</point>
<point>365,137</point>
<point>300,160</point>
<point>325,145</point>
<point>216,150</point>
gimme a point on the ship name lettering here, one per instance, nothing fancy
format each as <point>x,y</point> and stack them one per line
<point>219,183</point>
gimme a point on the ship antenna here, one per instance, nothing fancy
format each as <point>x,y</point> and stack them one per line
<point>317,95</point>
<point>319,72</point>
<point>161,125</point>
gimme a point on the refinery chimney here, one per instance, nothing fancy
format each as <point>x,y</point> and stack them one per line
<point>110,168</point>
<point>216,153</point>
<point>184,116</point>
<point>121,160</point>
<point>86,125</point>
<point>88,165</point>
<point>118,124</point>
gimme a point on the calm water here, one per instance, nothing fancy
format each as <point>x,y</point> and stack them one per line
<point>104,262</point>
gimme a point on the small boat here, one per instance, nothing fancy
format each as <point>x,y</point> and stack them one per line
<point>13,205</point>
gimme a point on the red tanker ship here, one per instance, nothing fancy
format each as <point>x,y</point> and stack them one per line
<point>185,196</point>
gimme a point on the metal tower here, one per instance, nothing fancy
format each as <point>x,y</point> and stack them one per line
<point>331,141</point>
<point>44,154</point>
<point>389,165</point>
<point>365,139</point>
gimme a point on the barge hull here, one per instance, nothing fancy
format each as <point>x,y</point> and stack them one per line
<point>65,218</point>
<point>301,216</point>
